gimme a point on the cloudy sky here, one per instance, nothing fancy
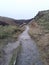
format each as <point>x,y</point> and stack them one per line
<point>22,9</point>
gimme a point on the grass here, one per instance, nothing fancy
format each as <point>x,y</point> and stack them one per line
<point>8,31</point>
<point>8,34</point>
<point>43,21</point>
<point>42,41</point>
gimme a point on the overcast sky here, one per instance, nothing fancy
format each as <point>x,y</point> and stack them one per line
<point>22,9</point>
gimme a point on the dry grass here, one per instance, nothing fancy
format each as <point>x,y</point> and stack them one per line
<point>42,40</point>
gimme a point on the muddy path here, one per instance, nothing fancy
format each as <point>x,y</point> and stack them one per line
<point>29,54</point>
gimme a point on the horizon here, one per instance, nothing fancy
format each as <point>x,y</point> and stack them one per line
<point>22,9</point>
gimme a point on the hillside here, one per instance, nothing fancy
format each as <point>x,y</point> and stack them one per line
<point>42,18</point>
<point>39,31</point>
<point>10,21</point>
<point>6,20</point>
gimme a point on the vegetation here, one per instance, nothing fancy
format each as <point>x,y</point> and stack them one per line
<point>39,31</point>
<point>8,33</point>
<point>42,18</point>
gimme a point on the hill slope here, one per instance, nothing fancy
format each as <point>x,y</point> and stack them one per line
<point>10,21</point>
<point>6,20</point>
<point>39,31</point>
<point>42,18</point>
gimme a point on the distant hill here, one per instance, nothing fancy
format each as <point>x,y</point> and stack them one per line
<point>10,21</point>
<point>7,21</point>
<point>23,21</point>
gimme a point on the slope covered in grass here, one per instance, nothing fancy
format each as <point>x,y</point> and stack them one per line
<point>42,18</point>
<point>39,31</point>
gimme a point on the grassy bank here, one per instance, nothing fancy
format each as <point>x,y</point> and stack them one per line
<point>41,37</point>
<point>8,34</point>
<point>9,31</point>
